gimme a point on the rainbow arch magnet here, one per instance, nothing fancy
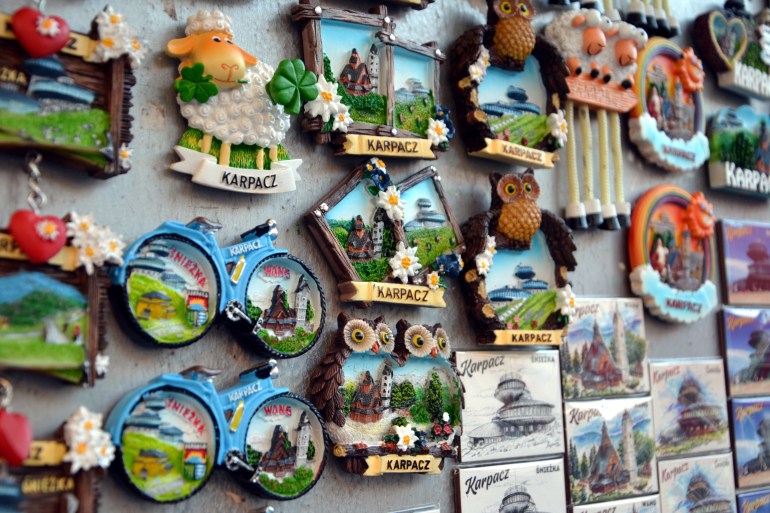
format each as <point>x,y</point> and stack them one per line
<point>671,248</point>
<point>668,123</point>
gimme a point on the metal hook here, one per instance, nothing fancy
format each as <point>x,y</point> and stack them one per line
<point>6,393</point>
<point>36,197</point>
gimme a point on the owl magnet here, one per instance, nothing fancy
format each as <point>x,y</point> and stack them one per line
<point>671,248</point>
<point>378,93</point>
<point>391,398</point>
<point>386,242</point>
<point>515,280</point>
<point>509,86</point>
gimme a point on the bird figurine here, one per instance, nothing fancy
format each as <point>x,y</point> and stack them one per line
<point>510,36</point>
<point>420,341</point>
<point>516,216</point>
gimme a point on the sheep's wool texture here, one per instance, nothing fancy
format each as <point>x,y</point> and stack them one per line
<point>244,115</point>
<point>206,21</point>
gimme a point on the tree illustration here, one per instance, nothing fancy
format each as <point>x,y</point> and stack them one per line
<point>309,312</point>
<point>574,464</point>
<point>403,395</point>
<point>285,299</point>
<point>744,150</point>
<point>253,311</point>
<point>584,466</point>
<point>253,456</point>
<point>287,443</point>
<point>645,447</point>
<point>310,450</point>
<point>433,400</point>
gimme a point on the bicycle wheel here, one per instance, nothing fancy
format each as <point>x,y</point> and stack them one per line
<point>168,445</point>
<point>171,292</point>
<point>286,444</point>
<point>285,301</point>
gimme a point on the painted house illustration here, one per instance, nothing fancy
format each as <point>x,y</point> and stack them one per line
<point>412,89</point>
<point>697,416</point>
<point>528,285</point>
<point>355,76</point>
<point>758,368</point>
<point>426,217</point>
<point>194,461</point>
<point>151,463</point>
<point>518,500</point>
<point>283,458</point>
<point>759,269</point>
<point>280,318</point>
<point>608,472</point>
<point>371,398</point>
<point>197,305</point>
<point>378,231</point>
<point>519,416</point>
<point>155,305</point>
<point>702,499</point>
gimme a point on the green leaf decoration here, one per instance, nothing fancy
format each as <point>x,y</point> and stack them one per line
<point>371,189</point>
<point>291,85</point>
<point>193,85</point>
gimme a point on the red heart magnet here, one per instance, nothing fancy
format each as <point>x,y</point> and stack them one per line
<point>39,237</point>
<point>40,35</point>
<point>15,437</point>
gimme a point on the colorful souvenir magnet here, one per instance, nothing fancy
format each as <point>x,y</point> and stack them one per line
<point>392,400</point>
<point>172,432</point>
<point>735,47</point>
<point>755,501</point>
<point>751,432</point>
<point>653,16</point>
<point>515,279</point>
<point>605,352</point>
<point>697,484</point>
<point>610,449</point>
<point>746,342</point>
<point>68,94</point>
<point>601,55</point>
<point>745,262</point>
<point>512,415</point>
<point>378,94</point>
<point>15,432</point>
<point>649,504</point>
<point>689,406</point>
<point>667,124</point>
<point>508,85</point>
<point>237,110</point>
<point>671,247</point>
<point>388,243</point>
<point>177,281</point>
<point>535,485</point>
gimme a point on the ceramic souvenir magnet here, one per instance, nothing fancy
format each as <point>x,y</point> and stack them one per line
<point>671,247</point>
<point>15,431</point>
<point>177,282</point>
<point>512,414</point>
<point>745,262</point>
<point>668,122</point>
<point>699,483</point>
<point>754,501</point>
<point>610,449</point>
<point>535,485</point>
<point>391,398</point>
<point>689,406</point>
<point>751,437</point>
<point>509,86</point>
<point>649,504</point>
<point>605,351</point>
<point>740,152</point>
<point>515,279</point>
<point>68,94</point>
<point>654,16</point>
<point>386,242</point>
<point>601,55</point>
<point>746,341</point>
<point>737,47</point>
<point>237,110</point>
<point>172,432</point>
<point>378,93</point>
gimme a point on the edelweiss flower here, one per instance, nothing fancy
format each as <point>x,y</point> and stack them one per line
<point>764,43</point>
<point>483,59</point>
<point>405,263</point>
<point>90,251</point>
<point>124,156</point>
<point>137,50</point>
<point>112,246</point>
<point>47,230</point>
<point>80,225</point>
<point>405,437</point>
<point>436,133</point>
<point>476,72</point>
<point>47,26</point>
<point>390,201</point>
<point>558,127</point>
<point>434,280</point>
<point>80,456</point>
<point>342,119</point>
<point>565,301</point>
<point>445,417</point>
<point>483,264</point>
<point>101,364</point>
<point>104,449</point>
<point>327,103</point>
<point>491,247</point>
<point>89,446</point>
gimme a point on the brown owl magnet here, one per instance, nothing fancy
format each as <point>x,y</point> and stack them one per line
<point>515,278</point>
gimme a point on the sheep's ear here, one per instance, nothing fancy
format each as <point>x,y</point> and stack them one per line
<point>180,47</point>
<point>249,59</point>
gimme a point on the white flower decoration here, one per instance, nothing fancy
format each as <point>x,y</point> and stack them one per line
<point>116,39</point>
<point>491,247</point>
<point>47,26</point>
<point>557,124</point>
<point>483,264</point>
<point>434,280</point>
<point>80,225</point>
<point>405,437</point>
<point>445,417</point>
<point>483,59</point>
<point>436,133</point>
<point>342,119</point>
<point>137,50</point>
<point>88,445</point>
<point>83,421</point>
<point>90,251</point>
<point>47,230</point>
<point>124,156</point>
<point>327,103</point>
<point>460,262</point>
<point>112,246</point>
<point>405,263</point>
<point>390,201</point>
<point>565,301</point>
<point>764,43</point>
<point>476,72</point>
<point>101,364</point>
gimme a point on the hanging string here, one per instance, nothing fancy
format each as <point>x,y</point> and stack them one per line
<point>572,173</point>
<point>604,164</point>
<point>36,197</point>
<point>588,156</point>
<point>617,157</point>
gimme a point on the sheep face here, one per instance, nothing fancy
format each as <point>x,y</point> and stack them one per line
<point>225,61</point>
<point>597,29</point>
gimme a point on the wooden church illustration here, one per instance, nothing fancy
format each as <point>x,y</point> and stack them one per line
<point>601,369</point>
<point>283,458</point>
<point>372,398</point>
<point>702,499</point>
<point>608,472</point>
<point>280,318</point>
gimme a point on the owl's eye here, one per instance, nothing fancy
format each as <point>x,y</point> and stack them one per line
<point>385,334</point>
<point>528,187</point>
<point>506,7</point>
<point>523,8</point>
<point>418,341</point>
<point>441,343</point>
<point>510,189</point>
<point>359,334</point>
<point>441,340</point>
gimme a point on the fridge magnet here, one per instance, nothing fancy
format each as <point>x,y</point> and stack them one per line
<point>509,84</point>
<point>378,94</point>
<point>701,483</point>
<point>756,501</point>
<point>172,432</point>
<point>512,414</point>
<point>668,123</point>
<point>689,406</point>
<point>649,504</point>
<point>601,56</point>
<point>654,16</point>
<point>515,280</point>
<point>733,46</point>
<point>237,110</point>
<point>605,351</point>
<point>751,432</point>
<point>746,341</point>
<point>610,449</point>
<point>671,247</point>
<point>740,152</point>
<point>177,282</point>
<point>745,262</point>
<point>68,94</point>
<point>533,485</point>
<point>386,242</point>
<point>391,397</point>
